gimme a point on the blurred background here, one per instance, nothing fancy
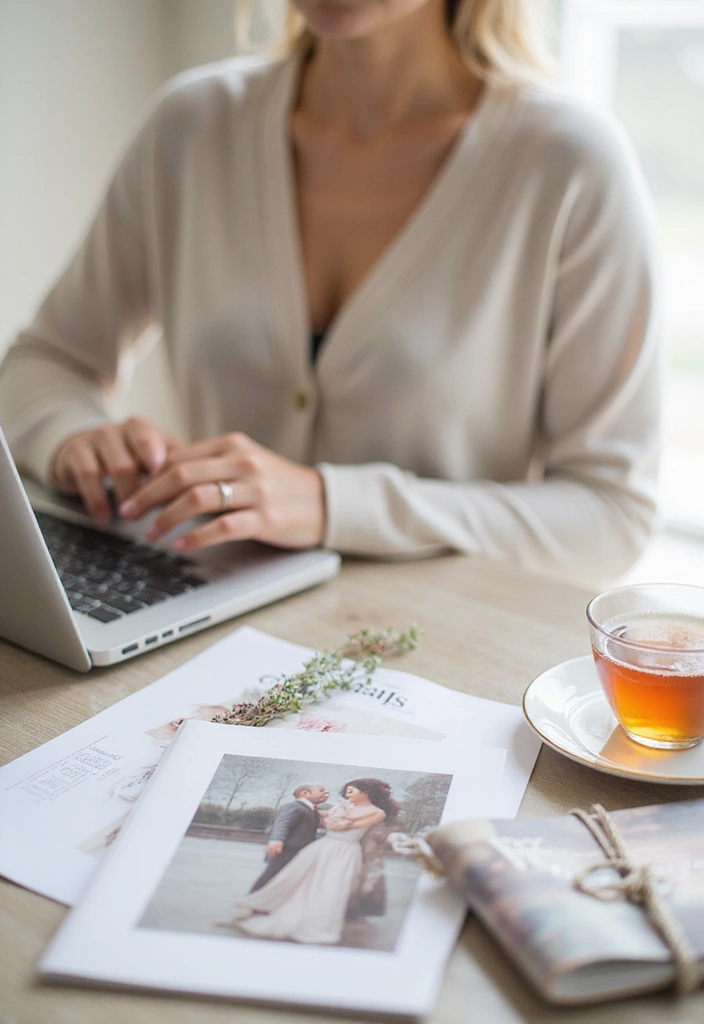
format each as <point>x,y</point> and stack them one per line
<point>644,60</point>
<point>76,75</point>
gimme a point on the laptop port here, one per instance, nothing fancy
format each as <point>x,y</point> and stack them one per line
<point>132,647</point>
<point>151,640</point>
<point>192,625</point>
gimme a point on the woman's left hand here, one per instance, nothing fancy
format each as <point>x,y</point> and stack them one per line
<point>254,493</point>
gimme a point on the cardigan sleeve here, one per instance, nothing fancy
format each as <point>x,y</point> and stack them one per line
<point>58,377</point>
<point>590,508</point>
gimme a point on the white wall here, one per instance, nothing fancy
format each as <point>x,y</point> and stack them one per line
<point>75,76</point>
<point>198,31</point>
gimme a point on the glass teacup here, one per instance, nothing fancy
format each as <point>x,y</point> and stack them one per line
<point>648,646</point>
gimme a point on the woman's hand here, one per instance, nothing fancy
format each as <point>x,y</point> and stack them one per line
<point>337,819</point>
<point>254,493</point>
<point>354,817</point>
<point>124,452</point>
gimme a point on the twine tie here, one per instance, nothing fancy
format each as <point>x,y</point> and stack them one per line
<point>638,885</point>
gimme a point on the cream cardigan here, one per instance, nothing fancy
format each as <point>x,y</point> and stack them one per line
<point>491,386</point>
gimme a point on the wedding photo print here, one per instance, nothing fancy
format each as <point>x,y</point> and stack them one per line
<point>298,851</point>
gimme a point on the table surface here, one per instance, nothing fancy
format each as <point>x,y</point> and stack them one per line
<point>488,630</point>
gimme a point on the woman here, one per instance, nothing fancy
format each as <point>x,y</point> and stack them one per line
<point>407,297</point>
<point>307,900</point>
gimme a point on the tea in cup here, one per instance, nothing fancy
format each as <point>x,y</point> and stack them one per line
<point>648,647</point>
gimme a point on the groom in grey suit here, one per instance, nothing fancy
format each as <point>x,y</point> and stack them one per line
<point>295,826</point>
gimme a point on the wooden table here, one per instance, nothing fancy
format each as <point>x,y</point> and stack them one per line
<point>488,631</point>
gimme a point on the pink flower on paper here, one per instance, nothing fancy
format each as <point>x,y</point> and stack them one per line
<point>311,724</point>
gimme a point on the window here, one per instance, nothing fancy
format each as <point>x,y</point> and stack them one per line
<point>644,59</point>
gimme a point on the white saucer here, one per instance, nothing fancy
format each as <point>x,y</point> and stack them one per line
<point>568,710</point>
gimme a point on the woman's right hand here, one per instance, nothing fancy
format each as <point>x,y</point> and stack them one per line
<point>124,452</point>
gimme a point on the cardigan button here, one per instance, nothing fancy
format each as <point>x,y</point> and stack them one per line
<point>301,401</point>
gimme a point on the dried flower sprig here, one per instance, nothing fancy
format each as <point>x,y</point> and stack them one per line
<point>324,673</point>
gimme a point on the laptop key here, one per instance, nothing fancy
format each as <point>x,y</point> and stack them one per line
<point>137,572</point>
<point>99,573</point>
<point>124,587</point>
<point>94,590</point>
<point>151,596</point>
<point>171,587</point>
<point>104,614</point>
<point>123,603</point>
<point>79,603</point>
<point>193,581</point>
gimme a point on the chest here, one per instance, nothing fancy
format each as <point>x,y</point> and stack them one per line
<point>355,197</point>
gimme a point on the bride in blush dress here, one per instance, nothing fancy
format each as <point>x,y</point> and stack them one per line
<point>306,901</point>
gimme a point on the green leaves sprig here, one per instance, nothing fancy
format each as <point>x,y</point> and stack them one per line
<point>323,674</point>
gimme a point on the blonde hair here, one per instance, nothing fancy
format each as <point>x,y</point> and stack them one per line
<point>505,40</point>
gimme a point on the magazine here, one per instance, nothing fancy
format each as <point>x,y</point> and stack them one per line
<point>574,947</point>
<point>245,871</point>
<point>63,804</point>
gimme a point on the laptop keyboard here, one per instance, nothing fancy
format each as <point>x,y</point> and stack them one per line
<point>106,576</point>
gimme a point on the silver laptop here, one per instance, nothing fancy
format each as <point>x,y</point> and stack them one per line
<point>104,595</point>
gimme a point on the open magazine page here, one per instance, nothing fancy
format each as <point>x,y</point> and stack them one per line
<point>185,899</point>
<point>574,947</point>
<point>63,803</point>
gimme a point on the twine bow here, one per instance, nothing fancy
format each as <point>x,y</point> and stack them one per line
<point>638,885</point>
